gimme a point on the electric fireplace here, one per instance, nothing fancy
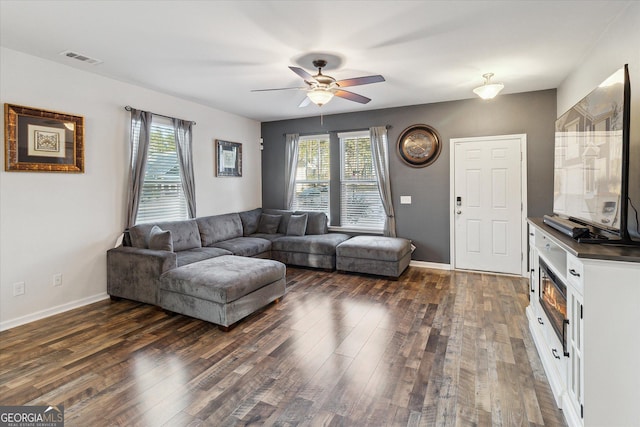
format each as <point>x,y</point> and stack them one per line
<point>553,299</point>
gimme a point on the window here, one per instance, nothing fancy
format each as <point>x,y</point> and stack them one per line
<point>360,204</point>
<point>162,197</point>
<point>313,174</point>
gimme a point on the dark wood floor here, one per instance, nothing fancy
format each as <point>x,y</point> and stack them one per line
<point>433,348</point>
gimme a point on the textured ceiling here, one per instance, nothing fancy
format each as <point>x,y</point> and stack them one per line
<point>215,52</point>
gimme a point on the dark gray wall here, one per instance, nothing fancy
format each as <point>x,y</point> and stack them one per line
<point>426,220</point>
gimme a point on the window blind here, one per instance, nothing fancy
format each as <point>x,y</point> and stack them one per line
<point>162,197</point>
<point>360,204</point>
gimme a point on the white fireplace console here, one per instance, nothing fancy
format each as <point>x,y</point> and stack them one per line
<point>595,378</point>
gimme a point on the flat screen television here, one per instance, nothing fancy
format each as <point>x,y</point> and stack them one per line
<point>591,160</point>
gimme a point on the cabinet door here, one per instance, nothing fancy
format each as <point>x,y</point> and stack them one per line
<point>575,346</point>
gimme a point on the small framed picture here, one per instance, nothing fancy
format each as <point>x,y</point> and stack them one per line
<point>228,158</point>
<point>42,141</point>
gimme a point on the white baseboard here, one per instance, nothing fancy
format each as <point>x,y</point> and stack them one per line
<point>8,324</point>
<point>433,265</point>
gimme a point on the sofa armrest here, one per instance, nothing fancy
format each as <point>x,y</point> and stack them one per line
<point>134,273</point>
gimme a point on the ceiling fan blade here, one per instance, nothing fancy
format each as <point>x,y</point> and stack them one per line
<point>352,96</point>
<point>281,88</point>
<point>360,81</point>
<point>306,101</point>
<point>302,73</point>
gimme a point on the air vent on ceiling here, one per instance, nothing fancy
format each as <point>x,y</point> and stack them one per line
<point>80,57</point>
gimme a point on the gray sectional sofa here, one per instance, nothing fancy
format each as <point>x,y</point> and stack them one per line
<point>222,268</point>
<point>154,258</point>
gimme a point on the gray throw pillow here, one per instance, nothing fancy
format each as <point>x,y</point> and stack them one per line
<point>269,223</point>
<point>160,240</point>
<point>316,223</point>
<point>286,214</point>
<point>297,225</point>
<point>250,221</point>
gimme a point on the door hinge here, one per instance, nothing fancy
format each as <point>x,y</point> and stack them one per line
<point>581,411</point>
<point>581,314</point>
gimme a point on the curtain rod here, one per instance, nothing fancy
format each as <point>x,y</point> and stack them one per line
<point>338,131</point>
<point>128,108</point>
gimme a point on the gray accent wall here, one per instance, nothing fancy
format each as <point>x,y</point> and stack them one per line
<point>426,220</point>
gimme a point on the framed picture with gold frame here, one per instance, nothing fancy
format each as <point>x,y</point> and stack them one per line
<point>419,145</point>
<point>42,141</point>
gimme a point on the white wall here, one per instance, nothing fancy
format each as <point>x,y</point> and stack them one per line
<point>619,45</point>
<point>64,223</point>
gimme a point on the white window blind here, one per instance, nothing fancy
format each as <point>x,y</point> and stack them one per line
<point>162,197</point>
<point>360,204</point>
<point>313,174</point>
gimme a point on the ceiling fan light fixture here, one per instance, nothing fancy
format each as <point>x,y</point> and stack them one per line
<point>488,90</point>
<point>321,88</point>
<point>320,96</point>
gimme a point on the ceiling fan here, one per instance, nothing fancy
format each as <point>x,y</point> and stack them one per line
<point>322,88</point>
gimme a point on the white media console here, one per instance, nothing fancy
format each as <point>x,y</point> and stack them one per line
<point>592,355</point>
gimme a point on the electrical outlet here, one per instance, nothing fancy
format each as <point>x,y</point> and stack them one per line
<point>18,289</point>
<point>57,279</point>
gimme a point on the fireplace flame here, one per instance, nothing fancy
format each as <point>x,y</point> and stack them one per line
<point>551,297</point>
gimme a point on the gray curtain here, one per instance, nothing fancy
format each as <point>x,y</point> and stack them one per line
<point>182,130</point>
<point>380,151</point>
<point>140,131</point>
<point>290,165</point>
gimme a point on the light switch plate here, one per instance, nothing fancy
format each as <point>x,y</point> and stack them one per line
<point>405,200</point>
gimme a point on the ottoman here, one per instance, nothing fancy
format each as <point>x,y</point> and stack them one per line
<point>222,290</point>
<point>384,256</point>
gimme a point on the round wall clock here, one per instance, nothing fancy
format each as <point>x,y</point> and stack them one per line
<point>419,145</point>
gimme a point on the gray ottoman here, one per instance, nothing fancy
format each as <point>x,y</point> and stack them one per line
<point>384,256</point>
<point>222,290</point>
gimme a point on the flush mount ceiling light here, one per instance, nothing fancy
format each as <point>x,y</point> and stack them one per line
<point>488,90</point>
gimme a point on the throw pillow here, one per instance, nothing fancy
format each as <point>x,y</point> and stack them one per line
<point>316,223</point>
<point>160,240</point>
<point>269,223</point>
<point>283,221</point>
<point>250,221</point>
<point>297,225</point>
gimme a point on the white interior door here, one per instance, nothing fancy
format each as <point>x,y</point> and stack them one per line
<point>488,203</point>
